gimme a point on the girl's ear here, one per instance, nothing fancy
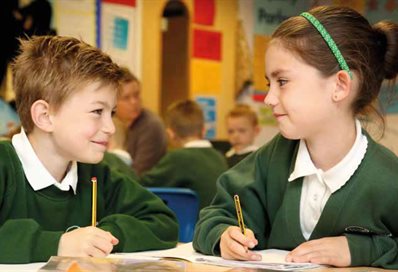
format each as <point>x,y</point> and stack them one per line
<point>343,86</point>
<point>40,112</point>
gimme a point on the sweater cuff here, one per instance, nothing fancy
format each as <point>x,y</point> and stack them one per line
<point>115,231</point>
<point>360,249</point>
<point>46,246</point>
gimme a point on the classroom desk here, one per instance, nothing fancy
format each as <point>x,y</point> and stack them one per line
<point>195,267</point>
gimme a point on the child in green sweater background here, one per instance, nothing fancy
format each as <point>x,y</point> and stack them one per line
<point>242,129</point>
<point>193,163</point>
<point>322,188</point>
<point>65,95</point>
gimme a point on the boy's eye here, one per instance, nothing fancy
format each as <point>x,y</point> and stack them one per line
<point>98,111</point>
<point>113,113</point>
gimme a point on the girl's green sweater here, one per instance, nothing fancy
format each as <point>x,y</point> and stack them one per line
<point>367,202</point>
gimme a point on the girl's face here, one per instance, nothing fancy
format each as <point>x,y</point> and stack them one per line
<point>241,132</point>
<point>83,125</point>
<point>300,97</point>
<point>129,104</point>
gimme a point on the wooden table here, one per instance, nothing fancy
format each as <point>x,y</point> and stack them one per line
<point>195,267</point>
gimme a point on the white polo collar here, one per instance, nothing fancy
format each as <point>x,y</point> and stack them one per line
<point>198,143</point>
<point>247,149</point>
<point>339,174</point>
<point>35,172</point>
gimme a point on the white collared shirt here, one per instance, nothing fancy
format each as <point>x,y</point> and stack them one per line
<point>35,172</point>
<point>319,185</point>
<point>198,143</point>
<point>247,149</point>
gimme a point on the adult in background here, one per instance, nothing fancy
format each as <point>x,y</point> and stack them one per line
<point>138,131</point>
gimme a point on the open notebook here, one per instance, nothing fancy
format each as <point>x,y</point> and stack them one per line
<point>272,259</point>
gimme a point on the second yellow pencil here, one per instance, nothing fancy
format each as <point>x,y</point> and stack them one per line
<point>239,215</point>
<point>94,202</point>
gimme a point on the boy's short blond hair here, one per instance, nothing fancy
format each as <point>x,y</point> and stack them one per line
<point>185,118</point>
<point>52,68</point>
<point>244,110</point>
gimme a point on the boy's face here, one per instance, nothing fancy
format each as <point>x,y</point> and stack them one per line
<point>241,132</point>
<point>83,125</point>
<point>129,102</point>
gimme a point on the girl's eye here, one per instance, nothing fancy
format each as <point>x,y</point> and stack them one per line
<point>282,82</point>
<point>113,113</point>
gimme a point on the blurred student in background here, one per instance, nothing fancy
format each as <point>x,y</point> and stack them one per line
<point>242,126</point>
<point>138,131</point>
<point>194,163</point>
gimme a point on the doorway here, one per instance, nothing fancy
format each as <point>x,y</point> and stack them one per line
<point>175,54</point>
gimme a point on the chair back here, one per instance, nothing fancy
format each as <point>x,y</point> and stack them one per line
<point>185,204</point>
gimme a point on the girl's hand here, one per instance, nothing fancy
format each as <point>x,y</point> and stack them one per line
<point>235,245</point>
<point>85,242</point>
<point>330,251</point>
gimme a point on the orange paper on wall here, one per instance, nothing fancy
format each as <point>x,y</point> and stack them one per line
<point>205,77</point>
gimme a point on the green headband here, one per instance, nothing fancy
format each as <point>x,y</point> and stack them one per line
<point>329,41</point>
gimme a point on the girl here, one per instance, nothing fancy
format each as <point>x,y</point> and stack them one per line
<point>323,188</point>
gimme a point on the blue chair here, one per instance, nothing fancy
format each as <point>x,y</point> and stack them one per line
<point>185,204</point>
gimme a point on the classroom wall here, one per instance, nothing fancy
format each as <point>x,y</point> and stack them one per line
<point>207,77</point>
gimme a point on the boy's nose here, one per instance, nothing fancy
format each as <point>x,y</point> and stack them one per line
<point>109,126</point>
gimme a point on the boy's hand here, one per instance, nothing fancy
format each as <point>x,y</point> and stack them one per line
<point>88,241</point>
<point>330,251</point>
<point>235,245</point>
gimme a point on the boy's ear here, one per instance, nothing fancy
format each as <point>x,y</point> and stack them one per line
<point>170,133</point>
<point>343,86</point>
<point>257,130</point>
<point>202,136</point>
<point>40,112</point>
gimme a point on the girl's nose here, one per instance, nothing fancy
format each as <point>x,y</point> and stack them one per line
<point>271,99</point>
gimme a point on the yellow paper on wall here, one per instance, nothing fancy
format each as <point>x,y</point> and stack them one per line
<point>260,45</point>
<point>205,77</point>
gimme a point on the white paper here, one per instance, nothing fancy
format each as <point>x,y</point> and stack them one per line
<point>31,267</point>
<point>271,258</point>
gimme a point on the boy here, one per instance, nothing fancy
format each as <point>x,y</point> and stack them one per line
<point>194,164</point>
<point>242,126</point>
<point>65,94</point>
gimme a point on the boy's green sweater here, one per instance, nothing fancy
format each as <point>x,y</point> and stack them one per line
<point>271,205</point>
<point>193,168</point>
<point>31,223</point>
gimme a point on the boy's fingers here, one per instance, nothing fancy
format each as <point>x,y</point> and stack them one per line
<point>95,252</point>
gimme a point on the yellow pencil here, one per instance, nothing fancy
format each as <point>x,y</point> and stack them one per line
<point>239,214</point>
<point>94,202</point>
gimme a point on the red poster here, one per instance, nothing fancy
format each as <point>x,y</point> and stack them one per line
<point>207,44</point>
<point>204,11</point>
<point>121,2</point>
